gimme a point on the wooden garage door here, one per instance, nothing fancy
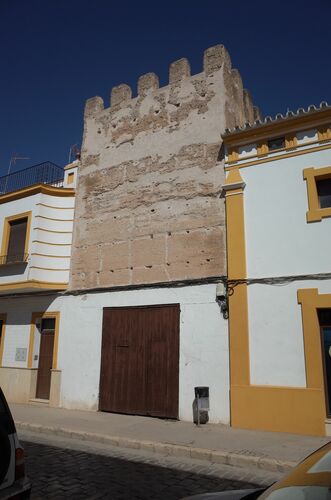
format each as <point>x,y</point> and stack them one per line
<point>139,360</point>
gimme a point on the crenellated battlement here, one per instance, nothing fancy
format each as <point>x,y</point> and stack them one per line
<point>178,70</point>
<point>215,58</point>
<point>147,83</point>
<point>148,205</point>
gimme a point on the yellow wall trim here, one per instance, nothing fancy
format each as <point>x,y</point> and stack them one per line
<point>288,146</point>
<point>234,193</point>
<point>324,133</point>
<point>51,256</point>
<point>287,409</point>
<point>51,218</point>
<point>278,409</point>
<point>37,188</point>
<point>310,301</point>
<point>233,154</point>
<point>278,157</point>
<point>49,268</point>
<point>3,318</point>
<point>284,409</point>
<point>234,181</point>
<point>34,317</point>
<point>291,141</point>
<point>33,284</point>
<point>52,231</point>
<point>280,128</point>
<point>55,208</point>
<point>70,178</point>
<point>52,244</point>
<point>311,175</point>
<point>6,231</point>
<point>238,317</point>
<point>262,149</point>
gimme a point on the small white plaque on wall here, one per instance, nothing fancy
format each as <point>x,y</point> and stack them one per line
<point>20,354</point>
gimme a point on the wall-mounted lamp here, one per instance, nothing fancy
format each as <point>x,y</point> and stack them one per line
<point>222,299</point>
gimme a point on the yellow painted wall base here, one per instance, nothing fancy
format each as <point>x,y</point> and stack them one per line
<point>280,409</point>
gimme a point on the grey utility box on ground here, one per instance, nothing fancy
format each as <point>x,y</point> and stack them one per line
<point>202,404</point>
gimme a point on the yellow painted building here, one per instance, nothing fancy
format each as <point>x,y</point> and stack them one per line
<point>278,209</point>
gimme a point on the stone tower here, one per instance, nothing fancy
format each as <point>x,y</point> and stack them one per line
<point>148,205</point>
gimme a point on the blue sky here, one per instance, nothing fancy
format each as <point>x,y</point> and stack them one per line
<point>54,54</point>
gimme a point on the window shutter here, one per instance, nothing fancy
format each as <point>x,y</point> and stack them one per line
<point>16,243</point>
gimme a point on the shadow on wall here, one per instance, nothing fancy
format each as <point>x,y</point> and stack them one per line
<point>19,308</point>
<point>221,153</point>
<point>13,269</point>
<point>20,360</point>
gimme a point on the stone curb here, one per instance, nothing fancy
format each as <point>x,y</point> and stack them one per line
<point>175,450</point>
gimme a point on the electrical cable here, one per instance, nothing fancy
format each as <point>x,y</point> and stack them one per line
<point>275,280</point>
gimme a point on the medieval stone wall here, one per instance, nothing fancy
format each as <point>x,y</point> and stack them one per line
<point>148,205</point>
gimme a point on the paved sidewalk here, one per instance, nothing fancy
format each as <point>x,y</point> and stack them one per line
<point>214,443</point>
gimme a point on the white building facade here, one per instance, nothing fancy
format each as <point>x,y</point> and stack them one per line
<point>141,326</point>
<point>36,222</point>
<point>115,281</point>
<point>114,306</point>
<point>278,203</point>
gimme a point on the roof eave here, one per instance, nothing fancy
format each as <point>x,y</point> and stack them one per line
<point>281,125</point>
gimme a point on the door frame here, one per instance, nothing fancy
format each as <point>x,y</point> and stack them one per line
<point>326,393</point>
<point>33,324</point>
<point>3,318</point>
<point>41,315</point>
<point>311,300</point>
<point>145,306</point>
<point>40,388</point>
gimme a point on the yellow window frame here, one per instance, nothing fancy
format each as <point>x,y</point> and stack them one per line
<point>291,142</point>
<point>6,231</point>
<point>315,213</point>
<point>71,178</point>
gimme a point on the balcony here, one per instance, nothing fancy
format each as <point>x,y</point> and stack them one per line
<point>43,173</point>
<point>20,258</point>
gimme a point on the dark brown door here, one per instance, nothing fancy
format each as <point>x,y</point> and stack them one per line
<point>45,359</point>
<point>324,316</point>
<point>139,361</point>
<point>1,323</point>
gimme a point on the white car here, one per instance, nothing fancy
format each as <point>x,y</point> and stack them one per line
<point>13,481</point>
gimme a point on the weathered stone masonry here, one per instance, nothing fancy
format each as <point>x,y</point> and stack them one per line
<point>148,205</point>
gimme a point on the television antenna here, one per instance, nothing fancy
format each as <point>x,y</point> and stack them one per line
<point>74,152</point>
<point>15,157</point>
